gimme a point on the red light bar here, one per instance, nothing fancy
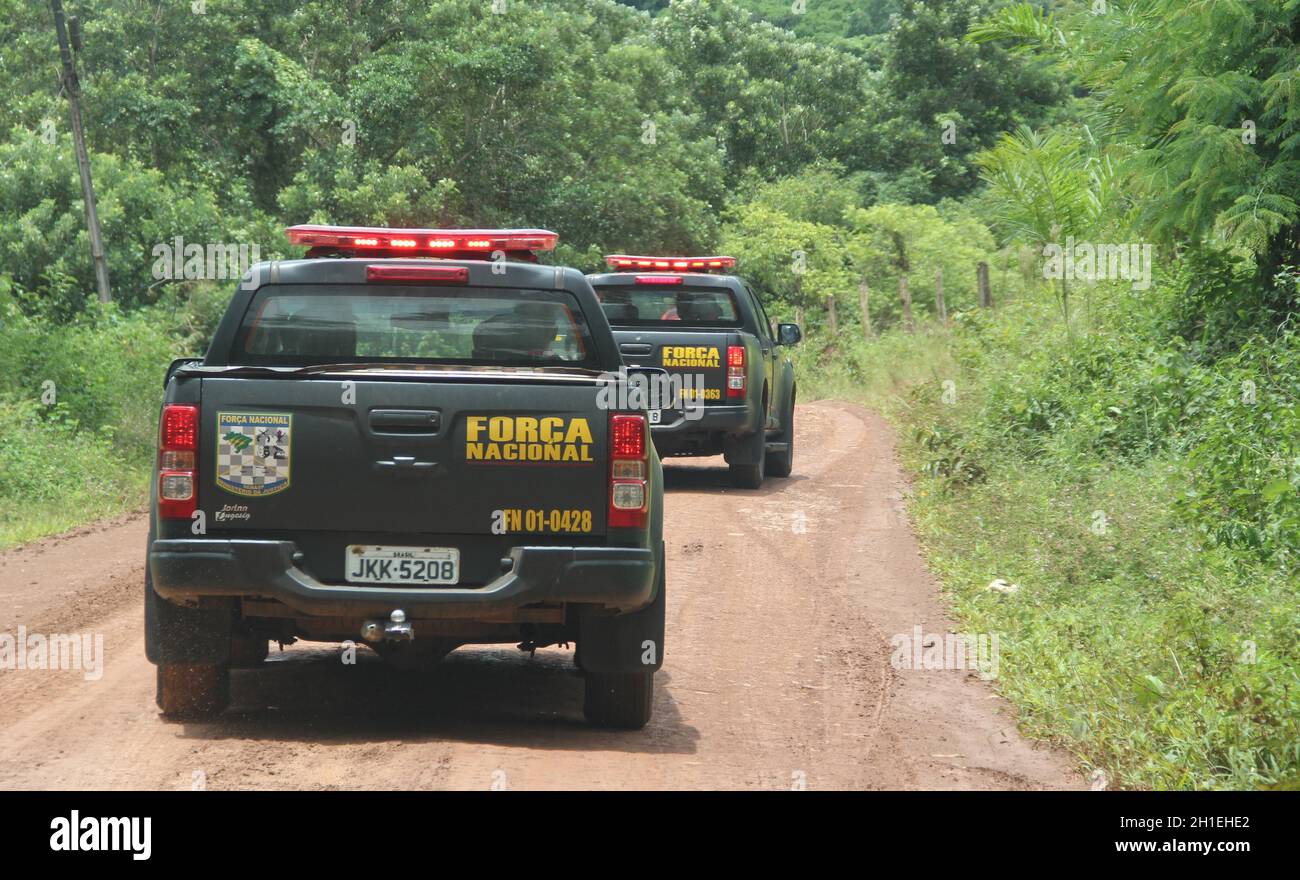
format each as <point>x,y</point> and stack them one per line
<point>419,274</point>
<point>658,279</point>
<point>674,264</point>
<point>421,241</point>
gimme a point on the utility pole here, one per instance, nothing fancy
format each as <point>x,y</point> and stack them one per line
<point>73,88</point>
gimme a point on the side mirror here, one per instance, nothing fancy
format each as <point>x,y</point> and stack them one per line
<point>788,334</point>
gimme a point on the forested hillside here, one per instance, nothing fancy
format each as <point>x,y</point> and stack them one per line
<point>1116,433</point>
<point>618,129</point>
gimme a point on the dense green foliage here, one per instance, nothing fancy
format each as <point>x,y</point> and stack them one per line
<point>619,129</point>
<point>827,19</point>
<point>663,127</point>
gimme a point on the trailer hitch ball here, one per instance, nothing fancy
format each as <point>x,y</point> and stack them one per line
<point>398,629</point>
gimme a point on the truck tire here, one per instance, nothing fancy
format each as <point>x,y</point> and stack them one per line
<point>779,464</point>
<point>623,699</point>
<point>188,692</point>
<point>750,476</point>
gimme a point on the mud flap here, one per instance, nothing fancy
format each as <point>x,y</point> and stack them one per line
<point>176,634</point>
<point>625,643</point>
<point>746,450</point>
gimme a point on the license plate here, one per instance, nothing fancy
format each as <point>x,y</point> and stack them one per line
<point>656,416</point>
<point>373,564</point>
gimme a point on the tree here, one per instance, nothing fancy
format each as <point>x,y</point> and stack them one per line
<point>1042,191</point>
<point>1210,93</point>
<point>941,99</point>
<point>891,245</point>
<point>773,101</point>
<point>799,263</point>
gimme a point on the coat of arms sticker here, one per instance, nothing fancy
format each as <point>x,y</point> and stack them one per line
<point>253,452</point>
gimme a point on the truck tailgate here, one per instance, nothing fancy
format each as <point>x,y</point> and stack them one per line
<point>404,457</point>
<point>699,354</point>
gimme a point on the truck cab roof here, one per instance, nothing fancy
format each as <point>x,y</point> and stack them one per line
<point>352,270</point>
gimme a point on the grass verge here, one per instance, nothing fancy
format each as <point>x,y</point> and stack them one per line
<point>79,407</point>
<point>1160,657</point>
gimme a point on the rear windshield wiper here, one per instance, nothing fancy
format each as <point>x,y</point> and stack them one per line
<point>256,370</point>
<point>252,371</point>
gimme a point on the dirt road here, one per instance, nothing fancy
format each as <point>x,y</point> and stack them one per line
<point>781,607</point>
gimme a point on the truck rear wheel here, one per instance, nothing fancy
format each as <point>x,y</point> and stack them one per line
<point>750,476</point>
<point>188,692</point>
<point>779,464</point>
<point>619,699</point>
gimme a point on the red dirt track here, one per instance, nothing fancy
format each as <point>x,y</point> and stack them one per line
<point>781,606</point>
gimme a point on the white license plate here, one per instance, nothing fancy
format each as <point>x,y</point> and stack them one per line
<point>373,564</point>
<point>656,416</point>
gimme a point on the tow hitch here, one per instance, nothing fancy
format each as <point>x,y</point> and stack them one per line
<point>397,629</point>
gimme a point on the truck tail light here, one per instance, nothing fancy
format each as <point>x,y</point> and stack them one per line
<point>735,371</point>
<point>628,465</point>
<point>178,446</point>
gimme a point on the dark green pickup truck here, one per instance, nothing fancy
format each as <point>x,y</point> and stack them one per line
<point>711,332</point>
<point>407,452</point>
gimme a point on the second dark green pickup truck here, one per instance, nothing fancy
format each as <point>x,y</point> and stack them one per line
<point>712,330</point>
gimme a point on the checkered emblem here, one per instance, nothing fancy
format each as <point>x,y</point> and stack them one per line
<point>253,452</point>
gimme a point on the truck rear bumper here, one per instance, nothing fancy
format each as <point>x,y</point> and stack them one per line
<point>616,578</point>
<point>725,419</point>
<point>721,429</point>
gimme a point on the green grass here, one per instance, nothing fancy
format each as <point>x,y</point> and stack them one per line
<point>1133,645</point>
<point>79,408</point>
<point>1165,658</point>
<point>874,374</point>
<point>53,477</point>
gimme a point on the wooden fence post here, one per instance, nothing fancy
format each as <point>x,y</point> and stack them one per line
<point>864,299</point>
<point>986,292</point>
<point>906,296</point>
<point>940,307</point>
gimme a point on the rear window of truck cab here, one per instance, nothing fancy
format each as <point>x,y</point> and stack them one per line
<point>669,306</point>
<point>303,325</point>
